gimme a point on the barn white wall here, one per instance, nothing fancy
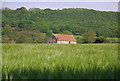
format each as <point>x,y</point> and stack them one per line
<point>65,42</point>
<point>73,42</point>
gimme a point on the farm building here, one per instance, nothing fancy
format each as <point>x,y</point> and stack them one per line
<point>62,39</point>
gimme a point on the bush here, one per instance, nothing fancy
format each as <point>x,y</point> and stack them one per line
<point>23,39</point>
<point>6,39</point>
<point>107,41</point>
<point>100,39</point>
<point>113,40</point>
<point>80,40</point>
<point>29,37</point>
<point>88,36</point>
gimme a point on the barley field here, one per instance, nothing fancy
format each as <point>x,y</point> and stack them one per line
<point>60,61</point>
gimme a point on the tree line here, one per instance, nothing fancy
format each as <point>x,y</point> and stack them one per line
<point>36,25</point>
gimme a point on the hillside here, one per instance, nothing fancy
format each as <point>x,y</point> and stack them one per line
<point>74,20</point>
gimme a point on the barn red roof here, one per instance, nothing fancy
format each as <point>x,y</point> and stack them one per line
<point>64,37</point>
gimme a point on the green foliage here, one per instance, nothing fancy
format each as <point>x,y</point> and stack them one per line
<point>100,39</point>
<point>21,10</point>
<point>6,39</point>
<point>89,36</point>
<point>24,37</point>
<point>49,33</point>
<point>79,39</point>
<point>54,61</point>
<point>66,32</point>
<point>8,30</point>
<point>112,40</point>
<point>75,20</point>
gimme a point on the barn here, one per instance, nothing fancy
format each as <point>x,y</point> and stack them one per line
<point>62,39</point>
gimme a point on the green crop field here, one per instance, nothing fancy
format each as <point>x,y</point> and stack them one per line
<point>60,61</point>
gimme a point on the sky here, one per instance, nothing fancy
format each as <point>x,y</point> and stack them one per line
<point>60,0</point>
<point>101,5</point>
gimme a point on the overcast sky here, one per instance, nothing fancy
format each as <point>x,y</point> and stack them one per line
<point>60,0</point>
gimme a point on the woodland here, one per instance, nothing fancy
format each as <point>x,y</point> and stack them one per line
<point>36,25</point>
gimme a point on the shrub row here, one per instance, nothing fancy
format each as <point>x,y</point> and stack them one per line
<point>100,39</point>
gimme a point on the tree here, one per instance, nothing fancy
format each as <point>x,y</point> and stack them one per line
<point>29,37</point>
<point>89,36</point>
<point>49,33</point>
<point>8,30</point>
<point>21,25</point>
<point>22,9</point>
<point>73,20</point>
<point>36,10</point>
<point>22,37</point>
<point>66,32</point>
<point>38,37</point>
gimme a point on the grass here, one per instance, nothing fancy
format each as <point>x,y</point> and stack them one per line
<point>60,61</point>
